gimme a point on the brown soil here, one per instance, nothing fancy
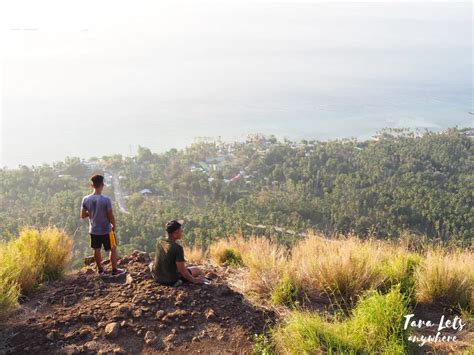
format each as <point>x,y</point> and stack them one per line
<point>87,314</point>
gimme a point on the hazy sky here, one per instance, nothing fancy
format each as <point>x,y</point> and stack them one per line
<point>89,78</point>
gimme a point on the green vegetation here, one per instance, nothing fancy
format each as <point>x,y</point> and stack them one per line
<point>256,205</point>
<point>375,326</point>
<point>399,269</point>
<point>286,293</point>
<point>34,257</point>
<point>400,184</point>
<point>370,284</point>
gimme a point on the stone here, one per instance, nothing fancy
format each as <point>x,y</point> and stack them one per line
<point>87,318</point>
<point>69,300</point>
<point>128,279</point>
<point>223,290</point>
<point>89,271</point>
<point>160,314</point>
<point>125,308</point>
<point>119,351</point>
<point>115,304</point>
<point>89,260</point>
<point>210,313</point>
<point>85,332</point>
<point>150,337</point>
<point>112,329</point>
<point>51,335</point>
<point>144,257</point>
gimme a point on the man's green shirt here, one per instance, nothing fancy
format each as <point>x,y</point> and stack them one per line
<point>168,252</point>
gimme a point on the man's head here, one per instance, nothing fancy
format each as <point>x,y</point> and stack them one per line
<point>174,229</point>
<point>97,182</point>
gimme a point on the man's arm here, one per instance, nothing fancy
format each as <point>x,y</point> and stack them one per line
<point>84,211</point>
<point>181,265</point>
<point>110,216</point>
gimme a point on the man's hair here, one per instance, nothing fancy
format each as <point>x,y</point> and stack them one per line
<point>172,226</point>
<point>97,180</point>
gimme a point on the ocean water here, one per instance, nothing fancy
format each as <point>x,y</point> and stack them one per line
<point>93,86</point>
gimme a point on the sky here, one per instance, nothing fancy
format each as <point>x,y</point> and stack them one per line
<point>91,78</point>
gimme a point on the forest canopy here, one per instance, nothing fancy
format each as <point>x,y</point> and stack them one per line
<point>398,182</point>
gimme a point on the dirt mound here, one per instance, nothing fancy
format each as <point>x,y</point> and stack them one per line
<point>88,314</point>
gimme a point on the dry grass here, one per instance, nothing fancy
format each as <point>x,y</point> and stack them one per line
<point>345,268</point>
<point>195,254</point>
<point>446,277</point>
<point>267,265</point>
<point>265,261</point>
<point>35,256</point>
<point>342,268</point>
<point>228,251</point>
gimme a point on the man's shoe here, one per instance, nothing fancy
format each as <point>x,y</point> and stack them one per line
<point>116,272</point>
<point>101,271</point>
<point>178,283</point>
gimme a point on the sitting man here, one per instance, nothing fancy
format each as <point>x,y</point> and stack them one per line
<point>169,267</point>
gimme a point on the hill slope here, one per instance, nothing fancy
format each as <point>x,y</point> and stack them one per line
<point>86,313</point>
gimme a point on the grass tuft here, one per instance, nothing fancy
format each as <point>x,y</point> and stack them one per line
<point>35,256</point>
<point>447,278</point>
<point>375,326</point>
<point>342,269</point>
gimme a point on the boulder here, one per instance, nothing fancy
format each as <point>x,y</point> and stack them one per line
<point>112,329</point>
<point>150,337</point>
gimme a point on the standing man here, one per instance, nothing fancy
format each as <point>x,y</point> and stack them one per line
<point>101,224</point>
<point>169,267</point>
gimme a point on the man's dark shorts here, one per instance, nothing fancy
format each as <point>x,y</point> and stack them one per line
<point>106,240</point>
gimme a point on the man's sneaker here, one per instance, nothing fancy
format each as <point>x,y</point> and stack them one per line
<point>178,283</point>
<point>116,272</point>
<point>101,271</point>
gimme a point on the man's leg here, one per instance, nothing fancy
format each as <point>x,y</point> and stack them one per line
<point>111,244</point>
<point>195,271</point>
<point>113,257</point>
<point>98,258</point>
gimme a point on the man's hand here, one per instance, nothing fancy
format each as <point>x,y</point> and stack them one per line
<point>111,217</point>
<point>186,274</point>
<point>199,280</point>
<point>84,213</point>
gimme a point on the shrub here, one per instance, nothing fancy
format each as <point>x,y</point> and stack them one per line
<point>267,265</point>
<point>446,277</point>
<point>225,255</point>
<point>375,326</point>
<point>35,256</point>
<point>399,268</point>
<point>9,293</point>
<point>343,269</point>
<point>285,293</point>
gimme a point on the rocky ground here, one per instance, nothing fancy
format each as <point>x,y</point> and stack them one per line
<point>88,314</point>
